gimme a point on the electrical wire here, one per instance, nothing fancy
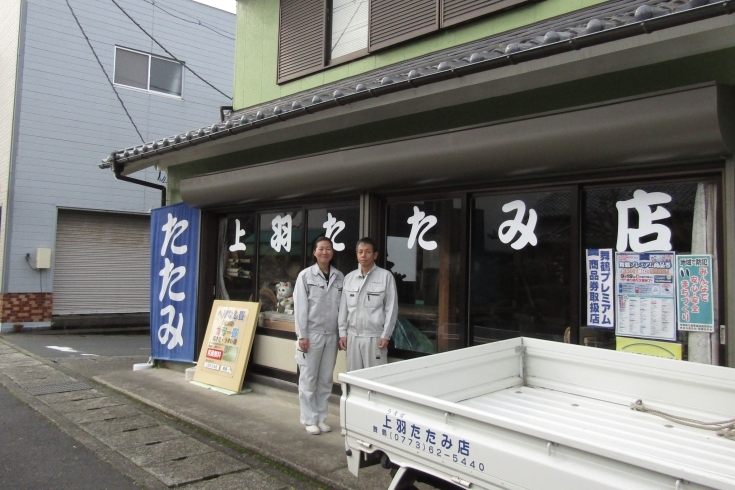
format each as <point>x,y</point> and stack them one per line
<point>166,50</point>
<point>89,43</point>
<point>195,21</point>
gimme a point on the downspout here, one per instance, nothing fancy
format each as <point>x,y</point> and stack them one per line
<point>117,169</point>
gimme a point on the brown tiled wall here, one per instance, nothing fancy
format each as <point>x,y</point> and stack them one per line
<point>26,307</point>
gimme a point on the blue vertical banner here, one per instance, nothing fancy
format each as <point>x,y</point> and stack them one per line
<point>174,278</point>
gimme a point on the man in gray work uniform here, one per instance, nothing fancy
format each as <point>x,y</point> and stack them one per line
<point>368,310</point>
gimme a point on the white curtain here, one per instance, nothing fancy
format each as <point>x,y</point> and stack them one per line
<point>703,347</point>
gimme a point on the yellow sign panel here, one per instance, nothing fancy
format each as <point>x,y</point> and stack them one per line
<point>227,344</point>
<point>669,350</point>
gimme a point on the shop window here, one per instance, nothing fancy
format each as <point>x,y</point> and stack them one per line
<point>280,259</point>
<point>423,251</point>
<point>235,264</point>
<point>647,222</point>
<point>520,266</point>
<point>342,226</point>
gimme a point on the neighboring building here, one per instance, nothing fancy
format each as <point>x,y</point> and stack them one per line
<point>500,153</point>
<point>58,112</point>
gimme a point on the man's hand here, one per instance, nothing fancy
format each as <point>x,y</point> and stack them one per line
<point>383,343</point>
<point>304,345</point>
<point>343,343</point>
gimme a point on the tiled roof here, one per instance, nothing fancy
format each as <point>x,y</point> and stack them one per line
<point>597,25</point>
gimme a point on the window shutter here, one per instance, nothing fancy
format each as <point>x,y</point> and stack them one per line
<point>456,11</point>
<point>301,38</point>
<point>393,21</point>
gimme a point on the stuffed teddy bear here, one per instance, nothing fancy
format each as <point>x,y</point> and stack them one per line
<point>284,293</point>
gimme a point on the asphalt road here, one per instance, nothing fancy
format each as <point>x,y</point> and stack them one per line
<point>54,346</point>
<point>36,454</point>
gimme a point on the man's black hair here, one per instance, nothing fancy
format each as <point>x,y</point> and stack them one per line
<point>367,241</point>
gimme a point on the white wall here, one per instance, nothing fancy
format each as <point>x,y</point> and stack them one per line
<point>10,14</point>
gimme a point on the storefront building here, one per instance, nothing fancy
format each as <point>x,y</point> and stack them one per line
<point>545,170</point>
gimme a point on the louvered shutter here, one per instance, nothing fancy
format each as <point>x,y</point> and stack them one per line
<point>456,11</point>
<point>102,263</point>
<point>301,38</point>
<point>393,21</point>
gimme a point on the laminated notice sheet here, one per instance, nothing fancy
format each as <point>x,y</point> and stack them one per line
<point>646,295</point>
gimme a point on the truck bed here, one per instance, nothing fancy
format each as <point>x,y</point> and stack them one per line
<point>538,414</point>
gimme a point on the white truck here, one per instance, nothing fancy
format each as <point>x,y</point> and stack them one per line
<point>533,414</point>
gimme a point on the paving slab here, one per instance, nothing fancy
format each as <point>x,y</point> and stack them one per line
<point>11,361</point>
<point>140,437</point>
<point>26,382</point>
<point>40,371</point>
<point>107,413</point>
<point>195,468</point>
<point>165,451</point>
<point>265,421</point>
<point>117,425</point>
<point>70,396</point>
<point>87,404</point>
<point>245,480</point>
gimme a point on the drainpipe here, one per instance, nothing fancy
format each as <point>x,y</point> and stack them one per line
<point>117,169</point>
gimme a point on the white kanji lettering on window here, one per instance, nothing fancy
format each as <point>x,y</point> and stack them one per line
<point>171,275</point>
<point>643,202</point>
<point>334,228</point>
<point>167,332</point>
<point>420,222</point>
<point>238,245</point>
<point>173,228</point>
<point>510,228</point>
<point>281,233</point>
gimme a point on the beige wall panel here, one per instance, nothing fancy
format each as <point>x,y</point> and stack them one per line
<point>274,353</point>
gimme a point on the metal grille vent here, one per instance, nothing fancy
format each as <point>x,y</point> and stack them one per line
<point>57,388</point>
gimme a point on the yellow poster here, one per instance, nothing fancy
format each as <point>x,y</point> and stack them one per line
<point>669,350</point>
<point>227,344</point>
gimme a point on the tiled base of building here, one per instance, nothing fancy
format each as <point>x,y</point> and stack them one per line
<point>26,308</point>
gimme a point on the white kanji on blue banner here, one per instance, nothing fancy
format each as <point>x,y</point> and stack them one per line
<point>174,275</point>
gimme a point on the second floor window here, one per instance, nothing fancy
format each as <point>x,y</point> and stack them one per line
<point>349,27</point>
<point>147,72</point>
<point>316,34</point>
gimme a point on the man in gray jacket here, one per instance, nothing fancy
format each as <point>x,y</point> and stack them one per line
<point>368,310</point>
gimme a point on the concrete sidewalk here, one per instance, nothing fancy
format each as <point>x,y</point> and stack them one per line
<point>265,421</point>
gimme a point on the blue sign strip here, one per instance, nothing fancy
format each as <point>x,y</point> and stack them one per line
<point>174,277</point>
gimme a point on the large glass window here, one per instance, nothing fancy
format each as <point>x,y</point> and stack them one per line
<point>342,226</point>
<point>235,265</point>
<point>423,251</point>
<point>280,259</point>
<point>520,266</point>
<point>644,221</point>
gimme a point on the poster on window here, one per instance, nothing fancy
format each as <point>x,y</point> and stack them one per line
<point>600,288</point>
<point>694,293</point>
<point>227,344</point>
<point>174,278</point>
<point>646,295</point>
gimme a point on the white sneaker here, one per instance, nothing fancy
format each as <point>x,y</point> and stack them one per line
<point>324,427</point>
<point>314,430</point>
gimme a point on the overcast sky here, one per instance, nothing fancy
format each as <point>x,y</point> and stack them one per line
<point>228,5</point>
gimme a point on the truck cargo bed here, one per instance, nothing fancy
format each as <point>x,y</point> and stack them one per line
<point>527,413</point>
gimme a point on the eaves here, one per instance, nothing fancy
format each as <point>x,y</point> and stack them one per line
<point>634,35</point>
